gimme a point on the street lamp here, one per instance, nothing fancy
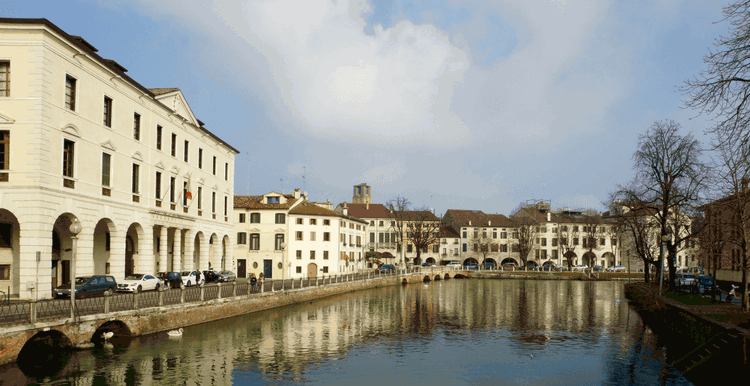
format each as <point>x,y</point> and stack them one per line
<point>283,261</point>
<point>75,229</point>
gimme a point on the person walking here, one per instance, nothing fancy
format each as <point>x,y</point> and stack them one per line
<point>253,281</point>
<point>261,278</point>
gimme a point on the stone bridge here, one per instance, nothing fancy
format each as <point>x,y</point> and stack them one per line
<point>27,340</point>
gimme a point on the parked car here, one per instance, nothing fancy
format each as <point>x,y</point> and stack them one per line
<point>227,276</point>
<point>453,264</point>
<point>190,278</point>
<point>705,283</point>
<point>471,266</point>
<point>489,265</point>
<point>428,265</point>
<point>139,282</point>
<point>386,268</point>
<point>581,267</point>
<point>688,282</point>
<point>170,279</point>
<point>211,276</point>
<point>549,268</point>
<point>598,268</point>
<point>616,268</point>
<point>677,278</point>
<point>87,286</point>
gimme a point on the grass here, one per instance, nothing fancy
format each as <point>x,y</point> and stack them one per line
<point>689,299</point>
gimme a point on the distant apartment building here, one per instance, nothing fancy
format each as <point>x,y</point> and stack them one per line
<point>83,143</point>
<point>485,239</point>
<point>285,236</point>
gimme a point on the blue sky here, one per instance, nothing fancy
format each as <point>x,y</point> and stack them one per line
<point>452,104</point>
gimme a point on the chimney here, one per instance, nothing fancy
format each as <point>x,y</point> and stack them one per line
<point>346,209</point>
<point>367,205</point>
<point>469,222</point>
<point>296,193</point>
<point>489,223</point>
<point>549,216</point>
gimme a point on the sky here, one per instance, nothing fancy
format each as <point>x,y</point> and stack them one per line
<point>469,104</point>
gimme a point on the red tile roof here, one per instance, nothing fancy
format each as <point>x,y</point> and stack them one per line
<point>309,208</point>
<point>374,211</point>
<point>256,202</point>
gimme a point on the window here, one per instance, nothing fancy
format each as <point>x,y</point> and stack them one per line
<point>372,237</point>
<point>372,223</point>
<point>476,247</point>
<point>106,169</point>
<point>242,217</point>
<point>4,271</point>
<point>68,157</point>
<point>184,193</point>
<point>299,236</point>
<point>213,202</point>
<point>255,241</point>
<point>325,255</point>
<point>158,186</point>
<point>614,242</point>
<point>603,242</point>
<point>200,158</point>
<point>544,241</point>
<point>299,254</point>
<point>554,253</point>
<point>300,221</point>
<point>136,127</point>
<point>312,236</point>
<point>575,241</point>
<point>4,78</point>
<point>174,145</point>
<point>186,151</point>
<point>493,247</point>
<point>280,218</point>
<point>200,197</point>
<point>380,223</point>
<point>158,137</point>
<point>279,241</point>
<point>299,269</point>
<point>214,165</point>
<point>272,200</point>
<point>107,111</point>
<point>408,247</point>
<point>70,92</point>
<point>312,255</point>
<point>326,236</point>
<point>464,234</point>
<point>464,247</point>
<point>325,269</point>
<point>435,248</point>
<point>504,248</point>
<point>255,218</point>
<point>226,206</point>
<point>241,238</point>
<point>313,221</point>
<point>575,228</point>
<point>136,179</point>
<point>326,222</point>
<point>226,171</point>
<point>172,182</point>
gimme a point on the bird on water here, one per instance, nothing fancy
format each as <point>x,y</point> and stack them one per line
<point>175,332</point>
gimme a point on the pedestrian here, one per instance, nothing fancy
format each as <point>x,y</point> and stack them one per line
<point>253,281</point>
<point>261,278</point>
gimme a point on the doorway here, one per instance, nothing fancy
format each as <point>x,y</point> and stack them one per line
<point>241,268</point>
<point>268,269</point>
<point>312,270</point>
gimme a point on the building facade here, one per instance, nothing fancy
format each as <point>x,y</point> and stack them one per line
<point>84,143</point>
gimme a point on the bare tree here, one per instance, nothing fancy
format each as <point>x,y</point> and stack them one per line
<point>398,207</point>
<point>712,243</point>
<point>591,233</point>
<point>638,232</point>
<point>723,89</point>
<point>670,179</point>
<point>484,243</point>
<point>423,229</point>
<point>732,175</point>
<point>525,227</point>
<point>565,239</point>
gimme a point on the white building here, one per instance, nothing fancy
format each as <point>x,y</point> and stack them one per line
<point>83,142</point>
<point>286,236</point>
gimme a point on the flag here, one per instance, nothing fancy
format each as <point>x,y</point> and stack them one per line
<point>188,193</point>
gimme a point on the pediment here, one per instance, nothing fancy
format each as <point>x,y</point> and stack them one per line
<point>202,180</point>
<point>6,119</point>
<point>177,102</point>
<point>160,165</point>
<point>187,175</point>
<point>255,230</point>
<point>109,145</point>
<point>280,230</point>
<point>175,170</point>
<point>215,187</point>
<point>71,129</point>
<point>138,156</point>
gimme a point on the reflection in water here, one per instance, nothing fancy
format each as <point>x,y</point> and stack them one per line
<point>447,332</point>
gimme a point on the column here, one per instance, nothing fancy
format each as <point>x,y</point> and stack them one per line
<point>216,258</point>
<point>116,253</point>
<point>189,263</point>
<point>36,236</point>
<point>85,254</point>
<point>177,250</point>
<point>163,235</point>
<point>146,263</point>
<point>204,252</point>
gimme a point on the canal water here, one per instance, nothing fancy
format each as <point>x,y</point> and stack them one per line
<point>454,332</point>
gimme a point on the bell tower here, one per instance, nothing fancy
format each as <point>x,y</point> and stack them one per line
<point>362,194</point>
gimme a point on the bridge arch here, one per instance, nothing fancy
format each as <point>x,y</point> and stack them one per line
<point>120,329</point>
<point>437,277</point>
<point>426,279</point>
<point>45,353</point>
<point>447,276</point>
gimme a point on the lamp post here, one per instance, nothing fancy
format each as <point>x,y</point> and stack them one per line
<point>75,229</point>
<point>283,261</point>
<point>664,239</point>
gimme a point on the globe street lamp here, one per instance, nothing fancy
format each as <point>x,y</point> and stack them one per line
<point>75,229</point>
<point>283,261</point>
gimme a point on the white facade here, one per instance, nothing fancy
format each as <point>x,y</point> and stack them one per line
<point>86,143</point>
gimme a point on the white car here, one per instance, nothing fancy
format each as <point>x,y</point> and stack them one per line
<point>453,264</point>
<point>190,278</point>
<point>138,282</point>
<point>581,267</point>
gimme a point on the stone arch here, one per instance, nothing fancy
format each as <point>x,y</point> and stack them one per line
<point>447,276</point>
<point>609,259</point>
<point>45,353</point>
<point>426,279</point>
<point>103,232</point>
<point>437,277</point>
<point>531,263</point>
<point>470,260</point>
<point>489,262</point>
<point>589,258</point>
<point>417,261</point>
<point>404,282</point>
<point>508,261</point>
<point>133,238</point>
<point>571,257</point>
<point>121,332</point>
<point>548,263</point>
<point>10,250</point>
<point>430,260</point>
<point>225,248</point>
<point>62,250</point>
